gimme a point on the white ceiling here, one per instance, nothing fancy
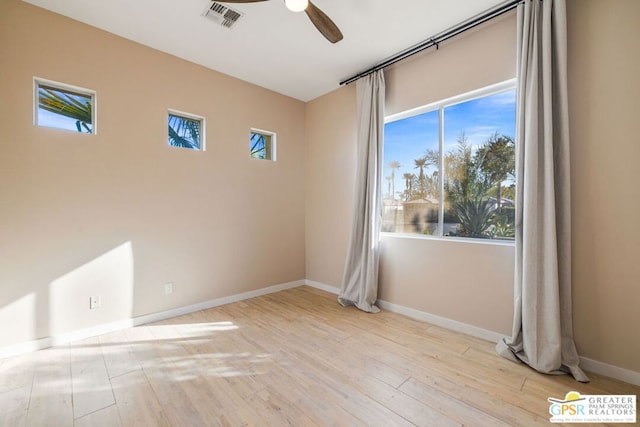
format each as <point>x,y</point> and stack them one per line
<point>271,46</point>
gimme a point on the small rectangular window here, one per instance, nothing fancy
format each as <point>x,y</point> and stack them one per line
<point>62,106</point>
<point>185,131</point>
<point>262,145</point>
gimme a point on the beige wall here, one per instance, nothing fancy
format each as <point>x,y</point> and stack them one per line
<point>120,213</point>
<point>604,85</point>
<point>467,282</point>
<point>477,58</point>
<point>329,177</point>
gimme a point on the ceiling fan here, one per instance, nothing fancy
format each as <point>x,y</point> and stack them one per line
<point>322,22</point>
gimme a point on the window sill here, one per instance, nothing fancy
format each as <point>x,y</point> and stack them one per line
<point>494,242</point>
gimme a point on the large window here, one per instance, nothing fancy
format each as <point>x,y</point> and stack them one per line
<point>450,167</point>
<point>63,106</point>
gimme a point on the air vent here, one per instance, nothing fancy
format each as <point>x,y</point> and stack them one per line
<point>222,14</point>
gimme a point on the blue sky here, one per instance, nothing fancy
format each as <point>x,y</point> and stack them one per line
<point>408,139</point>
<point>53,120</point>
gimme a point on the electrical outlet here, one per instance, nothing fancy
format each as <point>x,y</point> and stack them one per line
<point>95,302</point>
<point>168,288</point>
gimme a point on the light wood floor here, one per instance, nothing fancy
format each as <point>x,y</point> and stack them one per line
<point>292,358</point>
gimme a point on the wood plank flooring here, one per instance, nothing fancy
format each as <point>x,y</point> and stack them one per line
<point>294,358</point>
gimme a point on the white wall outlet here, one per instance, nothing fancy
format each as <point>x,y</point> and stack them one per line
<point>95,302</point>
<point>168,288</point>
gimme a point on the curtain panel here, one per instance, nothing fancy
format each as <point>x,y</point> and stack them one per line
<point>360,278</point>
<point>542,335</point>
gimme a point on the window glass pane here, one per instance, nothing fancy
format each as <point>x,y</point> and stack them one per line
<point>479,167</point>
<point>410,185</point>
<point>465,148</point>
<point>261,145</point>
<point>185,132</point>
<point>64,109</point>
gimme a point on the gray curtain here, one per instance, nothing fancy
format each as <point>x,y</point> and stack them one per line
<point>360,279</point>
<point>542,334</point>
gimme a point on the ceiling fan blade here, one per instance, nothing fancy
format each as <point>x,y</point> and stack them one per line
<point>323,23</point>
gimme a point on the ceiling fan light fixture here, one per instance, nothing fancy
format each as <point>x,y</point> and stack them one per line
<point>296,5</point>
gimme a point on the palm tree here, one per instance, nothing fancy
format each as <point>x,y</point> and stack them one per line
<point>433,187</point>
<point>432,158</point>
<point>393,165</point>
<point>497,159</point>
<point>408,182</point>
<point>67,104</point>
<point>421,163</point>
<point>466,188</point>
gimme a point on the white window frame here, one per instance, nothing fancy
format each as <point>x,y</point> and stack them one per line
<point>38,81</point>
<point>273,137</point>
<point>190,116</point>
<point>440,106</point>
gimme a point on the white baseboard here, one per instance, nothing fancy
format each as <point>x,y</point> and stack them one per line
<point>444,322</point>
<point>587,364</point>
<point>421,315</point>
<point>42,343</point>
<point>323,287</point>
<point>94,331</point>
<point>154,317</point>
<point>611,371</point>
<point>24,347</point>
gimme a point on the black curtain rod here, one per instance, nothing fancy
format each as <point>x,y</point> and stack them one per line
<point>439,38</point>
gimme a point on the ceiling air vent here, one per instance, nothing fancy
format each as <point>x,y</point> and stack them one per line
<point>222,14</point>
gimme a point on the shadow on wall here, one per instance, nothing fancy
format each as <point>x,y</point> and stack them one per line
<point>61,306</point>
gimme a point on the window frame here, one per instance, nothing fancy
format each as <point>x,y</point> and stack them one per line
<point>189,116</point>
<point>71,89</point>
<point>440,106</point>
<point>273,143</point>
